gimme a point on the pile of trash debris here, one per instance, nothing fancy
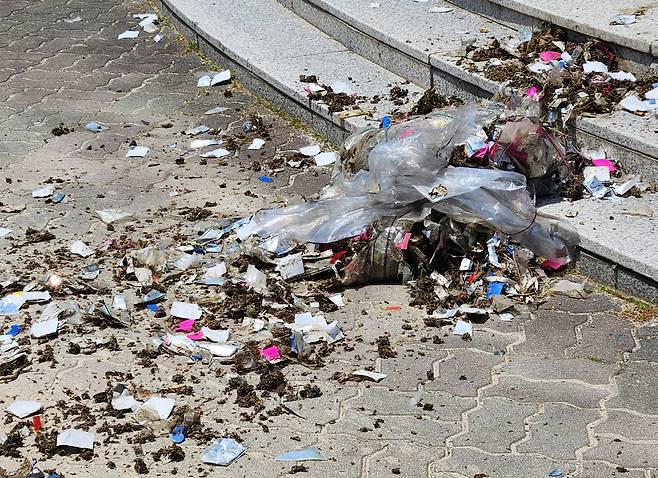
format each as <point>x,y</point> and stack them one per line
<point>570,79</point>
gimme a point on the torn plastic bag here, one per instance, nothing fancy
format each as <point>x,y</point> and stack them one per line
<point>407,171</point>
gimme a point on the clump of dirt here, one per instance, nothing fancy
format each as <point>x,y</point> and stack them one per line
<point>298,469</point>
<point>196,213</point>
<point>140,467</point>
<point>574,189</point>
<point>432,100</point>
<point>61,130</point>
<point>423,296</point>
<point>172,453</point>
<point>308,79</point>
<point>248,359</point>
<point>246,395</point>
<point>145,436</point>
<point>272,380</point>
<point>310,391</point>
<point>398,95</point>
<point>492,51</point>
<point>543,40</point>
<point>14,441</point>
<point>384,348</point>
<point>9,370</point>
<point>33,236</point>
<point>338,101</point>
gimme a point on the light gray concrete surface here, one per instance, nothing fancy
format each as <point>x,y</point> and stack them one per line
<point>448,408</point>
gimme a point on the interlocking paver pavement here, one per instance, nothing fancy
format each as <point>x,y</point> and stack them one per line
<point>570,386</point>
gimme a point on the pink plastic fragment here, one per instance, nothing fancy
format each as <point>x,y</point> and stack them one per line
<point>404,243</point>
<point>185,326</point>
<point>549,56</point>
<point>271,353</point>
<point>532,91</point>
<point>195,335</point>
<point>605,162</point>
<point>482,152</point>
<point>364,236</point>
<point>554,263</point>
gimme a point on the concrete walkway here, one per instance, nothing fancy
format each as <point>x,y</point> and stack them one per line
<point>571,386</point>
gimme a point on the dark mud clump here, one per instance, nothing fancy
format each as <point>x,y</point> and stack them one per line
<point>398,95</point>
<point>33,236</point>
<point>423,296</point>
<point>272,380</point>
<point>310,391</point>
<point>171,453</point>
<point>140,467</point>
<point>384,348</point>
<point>432,100</point>
<point>308,79</point>
<point>492,51</point>
<point>61,130</point>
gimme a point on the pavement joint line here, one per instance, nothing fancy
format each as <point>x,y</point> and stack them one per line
<point>578,331</point>
<point>527,429</point>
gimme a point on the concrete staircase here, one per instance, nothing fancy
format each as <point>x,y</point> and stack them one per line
<point>269,43</point>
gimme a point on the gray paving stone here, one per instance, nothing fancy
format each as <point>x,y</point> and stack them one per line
<point>627,455</point>
<point>606,337</point>
<point>595,303</point>
<point>411,367</point>
<point>517,388</point>
<point>464,373</point>
<point>558,431</point>
<point>382,401</point>
<point>597,470</point>
<point>470,462</point>
<point>630,426</point>
<point>636,383</point>
<point>539,368</point>
<point>401,458</point>
<point>551,334</point>
<point>496,426</point>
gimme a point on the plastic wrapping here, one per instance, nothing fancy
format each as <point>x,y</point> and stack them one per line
<point>408,172</point>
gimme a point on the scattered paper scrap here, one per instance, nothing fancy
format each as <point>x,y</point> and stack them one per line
<point>463,327</point>
<point>374,376</point>
<point>128,34</point>
<point>159,406</point>
<point>312,150</point>
<point>137,152</point>
<point>24,408</point>
<point>79,248</point>
<point>257,143</point>
<point>324,159</point>
<point>185,310</point>
<point>223,452</point>
<point>305,454</point>
<point>76,439</point>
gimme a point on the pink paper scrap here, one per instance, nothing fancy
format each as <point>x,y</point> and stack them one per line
<point>195,335</point>
<point>604,162</point>
<point>404,243</point>
<point>271,353</point>
<point>554,263</point>
<point>549,56</point>
<point>185,326</point>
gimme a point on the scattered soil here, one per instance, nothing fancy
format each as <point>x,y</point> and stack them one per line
<point>32,236</point>
<point>300,468</point>
<point>384,348</point>
<point>308,79</point>
<point>173,453</point>
<point>140,467</point>
<point>61,130</point>
<point>310,391</point>
<point>432,100</point>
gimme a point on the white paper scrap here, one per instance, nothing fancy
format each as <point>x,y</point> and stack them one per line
<point>216,110</point>
<point>290,266</point>
<point>220,349</point>
<point>203,143</point>
<point>257,143</point>
<point>622,76</point>
<point>341,87</point>
<point>462,327</point>
<point>219,336</point>
<point>506,317</point>
<point>324,159</point>
<point>337,299</point>
<point>374,376</point>
<point>81,249</point>
<point>24,408</point>
<point>44,329</point>
<point>159,406</point>
<point>204,81</point>
<point>216,153</point>
<point>5,231</point>
<point>148,19</point>
<point>311,150</point>
<point>440,10</point>
<point>594,67</point>
<point>185,310</point>
<point>602,173</point>
<point>44,192</point>
<point>76,438</point>
<point>128,34</point>
<point>221,77</point>
<point>137,152</point>
<point>466,264</point>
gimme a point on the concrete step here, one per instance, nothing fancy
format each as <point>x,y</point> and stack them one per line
<point>421,47</point>
<point>636,42</point>
<point>269,46</point>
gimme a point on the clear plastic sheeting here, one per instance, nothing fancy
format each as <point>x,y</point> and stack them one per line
<point>408,172</point>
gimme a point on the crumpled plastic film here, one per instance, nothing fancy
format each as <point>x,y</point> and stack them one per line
<point>408,170</point>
